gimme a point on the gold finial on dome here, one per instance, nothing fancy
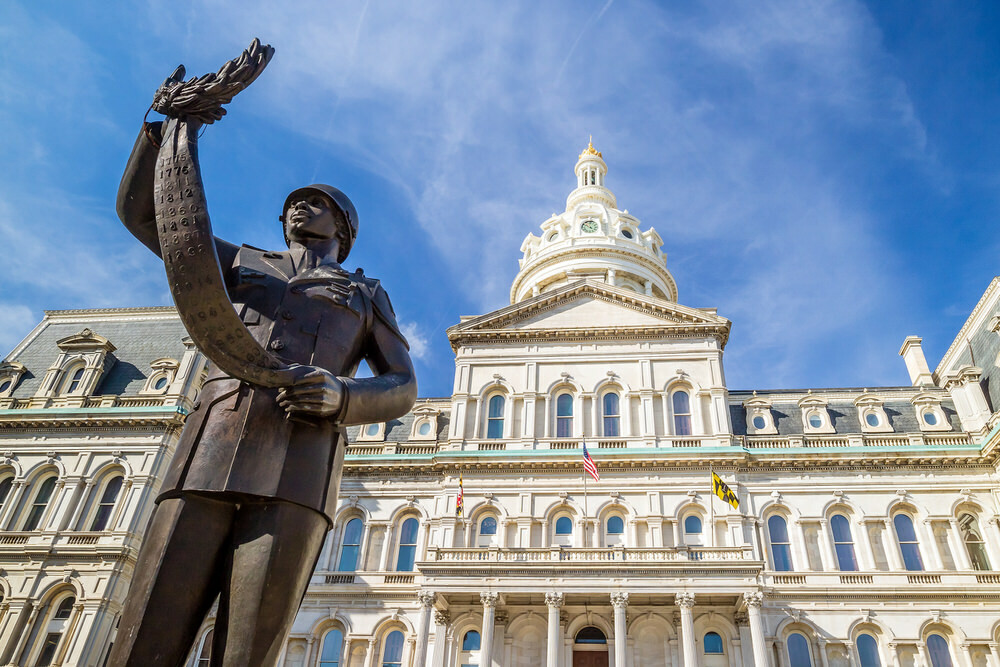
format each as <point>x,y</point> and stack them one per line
<point>589,150</point>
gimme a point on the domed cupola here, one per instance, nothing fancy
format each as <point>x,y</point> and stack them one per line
<point>593,240</point>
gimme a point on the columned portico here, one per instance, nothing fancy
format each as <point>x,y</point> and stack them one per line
<point>690,650</point>
<point>554,602</point>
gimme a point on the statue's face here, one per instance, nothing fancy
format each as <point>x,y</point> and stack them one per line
<point>313,217</point>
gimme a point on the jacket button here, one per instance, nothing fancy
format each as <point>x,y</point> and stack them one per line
<point>287,314</point>
<point>277,344</point>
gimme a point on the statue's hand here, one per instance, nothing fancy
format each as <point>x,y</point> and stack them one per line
<point>314,393</point>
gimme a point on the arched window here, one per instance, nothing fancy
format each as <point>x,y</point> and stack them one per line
<point>53,631</point>
<point>487,531</point>
<point>407,546</point>
<point>937,649</point>
<point>469,656</point>
<point>781,549</point>
<point>333,641</point>
<point>611,415</point>
<point>205,657</point>
<point>471,642</point>
<point>564,526</point>
<point>564,416</point>
<point>713,643</point>
<point>39,504</point>
<point>615,531</point>
<point>798,651</point>
<point>107,503</point>
<point>591,635</point>
<point>74,380</point>
<point>494,421</point>
<point>842,543</point>
<point>682,413</point>
<point>908,546</point>
<point>392,653</point>
<point>692,529</point>
<point>968,527</point>
<point>868,651</point>
<point>350,546</point>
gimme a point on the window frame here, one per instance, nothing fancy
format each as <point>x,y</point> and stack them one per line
<point>37,487</point>
<point>807,645</point>
<point>205,649</point>
<point>611,419</point>
<point>498,421</point>
<point>409,545</point>
<point>931,650</point>
<point>565,422</point>
<point>99,503</point>
<point>383,657</point>
<point>695,539</point>
<point>972,528</point>
<point>344,543</point>
<point>323,661</point>
<point>71,382</point>
<point>787,544</point>
<point>680,420</point>
<point>914,543</point>
<point>849,543</point>
<point>704,644</point>
<point>52,625</point>
<point>876,649</point>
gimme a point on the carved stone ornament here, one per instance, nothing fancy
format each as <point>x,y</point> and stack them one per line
<point>441,617</point>
<point>426,598</point>
<point>684,600</point>
<point>619,600</point>
<point>489,599</point>
<point>554,600</point>
<point>754,599</point>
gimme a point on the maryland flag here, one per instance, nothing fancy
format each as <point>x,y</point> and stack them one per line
<point>460,499</point>
<point>724,493</point>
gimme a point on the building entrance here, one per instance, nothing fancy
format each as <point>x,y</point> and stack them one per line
<point>590,649</point>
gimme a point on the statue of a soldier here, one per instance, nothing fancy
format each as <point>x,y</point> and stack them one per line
<point>252,487</point>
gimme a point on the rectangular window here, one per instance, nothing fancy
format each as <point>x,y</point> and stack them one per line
<point>407,556</point>
<point>348,558</point>
<point>782,557</point>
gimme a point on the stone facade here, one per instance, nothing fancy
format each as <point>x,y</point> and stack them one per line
<point>866,531</point>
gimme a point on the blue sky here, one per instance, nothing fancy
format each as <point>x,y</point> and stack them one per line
<point>826,174</point>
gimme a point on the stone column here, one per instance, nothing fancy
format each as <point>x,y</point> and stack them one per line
<point>441,620</point>
<point>690,651</point>
<point>489,601</point>
<point>967,654</point>
<point>754,600</point>
<point>961,554</point>
<point>13,500</point>
<point>928,545</point>
<point>893,654</point>
<point>800,556</point>
<point>370,655</point>
<point>310,642</point>
<point>922,652</point>
<point>619,601</point>
<point>852,656</point>
<point>865,547</point>
<point>994,656</point>
<point>824,660</point>
<point>88,489</point>
<point>554,602</point>
<point>426,600</point>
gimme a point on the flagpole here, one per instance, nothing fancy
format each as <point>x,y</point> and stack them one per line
<point>711,505</point>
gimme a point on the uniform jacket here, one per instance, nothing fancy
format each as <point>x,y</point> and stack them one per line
<point>238,440</point>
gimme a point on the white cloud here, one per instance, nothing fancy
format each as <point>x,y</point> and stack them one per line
<point>419,349</point>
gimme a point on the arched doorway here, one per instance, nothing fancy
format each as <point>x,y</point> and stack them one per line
<point>590,648</point>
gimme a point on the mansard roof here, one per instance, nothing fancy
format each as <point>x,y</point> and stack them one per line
<point>137,336</point>
<point>609,312</point>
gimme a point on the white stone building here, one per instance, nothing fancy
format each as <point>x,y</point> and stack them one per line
<point>866,535</point>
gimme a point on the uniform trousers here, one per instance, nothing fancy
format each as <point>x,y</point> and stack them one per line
<point>256,556</point>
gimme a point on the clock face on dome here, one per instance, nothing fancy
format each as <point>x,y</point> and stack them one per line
<point>589,226</point>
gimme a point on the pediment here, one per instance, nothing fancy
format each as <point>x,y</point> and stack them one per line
<point>590,306</point>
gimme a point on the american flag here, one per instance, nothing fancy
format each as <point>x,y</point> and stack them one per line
<point>589,465</point>
<point>460,500</point>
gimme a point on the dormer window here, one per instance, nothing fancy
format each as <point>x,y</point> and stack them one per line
<point>930,414</point>
<point>871,414</point>
<point>815,416</point>
<point>83,358</point>
<point>372,432</point>
<point>425,423</point>
<point>162,374</point>
<point>10,374</point>
<point>760,419</point>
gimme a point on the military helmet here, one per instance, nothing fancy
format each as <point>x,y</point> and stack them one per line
<point>340,201</point>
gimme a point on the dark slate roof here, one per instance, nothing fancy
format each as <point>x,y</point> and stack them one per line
<point>983,350</point>
<point>843,413</point>
<point>398,430</point>
<point>139,342</point>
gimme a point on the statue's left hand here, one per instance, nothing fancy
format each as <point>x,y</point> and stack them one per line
<point>314,393</point>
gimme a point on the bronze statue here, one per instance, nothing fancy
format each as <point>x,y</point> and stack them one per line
<point>252,487</point>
